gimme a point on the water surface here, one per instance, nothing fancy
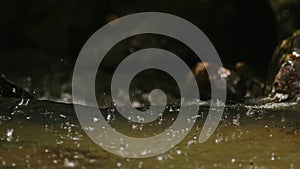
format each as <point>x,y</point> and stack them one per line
<point>43,134</point>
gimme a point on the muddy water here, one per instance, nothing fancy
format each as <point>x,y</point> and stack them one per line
<point>44,134</point>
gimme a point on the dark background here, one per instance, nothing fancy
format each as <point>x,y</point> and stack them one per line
<point>40,40</point>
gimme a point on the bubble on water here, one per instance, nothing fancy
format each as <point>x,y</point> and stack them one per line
<point>68,163</point>
<point>160,119</point>
<point>136,104</point>
<point>236,121</point>
<point>90,128</point>
<point>111,116</point>
<point>273,157</point>
<point>141,127</point>
<point>134,126</point>
<point>119,164</point>
<point>140,164</point>
<point>178,152</point>
<point>232,160</point>
<point>21,102</point>
<point>59,142</point>
<point>283,119</point>
<point>250,112</point>
<point>218,140</point>
<point>160,158</point>
<point>76,138</point>
<point>220,103</point>
<point>122,147</point>
<point>144,152</point>
<point>92,160</point>
<point>108,118</point>
<point>281,96</point>
<point>189,120</point>
<point>190,143</point>
<point>95,119</point>
<point>195,137</point>
<point>140,119</point>
<point>9,134</point>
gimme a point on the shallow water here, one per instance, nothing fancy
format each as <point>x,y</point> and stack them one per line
<point>43,134</point>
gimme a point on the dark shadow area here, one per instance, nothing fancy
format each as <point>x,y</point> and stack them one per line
<point>41,40</point>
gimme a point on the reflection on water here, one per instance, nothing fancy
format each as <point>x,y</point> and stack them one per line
<point>45,134</point>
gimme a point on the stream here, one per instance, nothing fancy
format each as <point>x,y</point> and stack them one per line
<point>46,134</point>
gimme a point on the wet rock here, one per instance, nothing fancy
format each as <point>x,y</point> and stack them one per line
<point>8,89</point>
<point>240,80</point>
<point>250,85</point>
<point>284,73</point>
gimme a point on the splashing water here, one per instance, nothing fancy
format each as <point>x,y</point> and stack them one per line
<point>249,136</point>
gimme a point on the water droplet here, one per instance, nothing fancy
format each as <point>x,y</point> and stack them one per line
<point>134,126</point>
<point>273,157</point>
<point>108,118</point>
<point>218,140</point>
<point>236,121</point>
<point>95,119</point>
<point>144,152</point>
<point>122,147</point>
<point>160,158</point>
<point>9,134</point>
<point>68,163</point>
<point>62,116</point>
<point>283,119</point>
<point>140,164</point>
